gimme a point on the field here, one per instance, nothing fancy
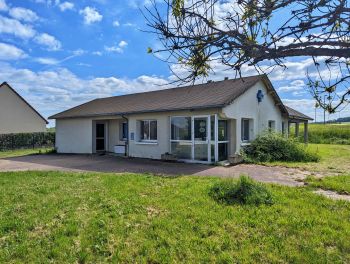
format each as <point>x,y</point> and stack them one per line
<point>94,218</point>
<point>327,134</point>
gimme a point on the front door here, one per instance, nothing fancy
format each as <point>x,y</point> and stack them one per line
<point>100,137</point>
<point>201,136</point>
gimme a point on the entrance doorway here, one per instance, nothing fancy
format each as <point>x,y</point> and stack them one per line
<point>100,137</point>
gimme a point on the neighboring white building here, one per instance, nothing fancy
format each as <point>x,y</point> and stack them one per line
<point>16,114</point>
<point>200,123</point>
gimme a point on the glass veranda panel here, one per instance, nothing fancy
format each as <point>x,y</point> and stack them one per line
<point>181,128</point>
<point>182,150</point>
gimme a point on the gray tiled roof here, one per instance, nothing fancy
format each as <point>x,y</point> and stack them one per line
<point>208,95</point>
<point>292,113</point>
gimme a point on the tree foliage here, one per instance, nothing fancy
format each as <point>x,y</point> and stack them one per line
<point>262,34</point>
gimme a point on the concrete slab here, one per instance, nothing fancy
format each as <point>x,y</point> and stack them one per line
<point>109,163</point>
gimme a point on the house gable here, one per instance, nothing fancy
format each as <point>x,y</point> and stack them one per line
<point>16,114</point>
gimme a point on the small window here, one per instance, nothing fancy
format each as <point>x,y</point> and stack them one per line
<point>283,128</point>
<point>245,130</point>
<point>272,125</point>
<point>148,130</point>
<point>124,131</point>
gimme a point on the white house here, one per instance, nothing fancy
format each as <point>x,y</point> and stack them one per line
<point>200,123</point>
<point>16,114</point>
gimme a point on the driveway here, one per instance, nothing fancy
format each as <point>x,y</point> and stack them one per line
<point>109,163</point>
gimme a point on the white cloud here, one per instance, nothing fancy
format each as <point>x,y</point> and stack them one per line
<point>47,61</point>
<point>128,24</point>
<point>66,6</point>
<point>97,53</point>
<point>122,44</point>
<point>294,86</point>
<point>3,5</point>
<point>91,15</point>
<point>16,28</point>
<point>23,14</point>
<point>119,49</point>
<point>52,91</point>
<point>10,52</point>
<point>50,42</point>
<point>116,23</point>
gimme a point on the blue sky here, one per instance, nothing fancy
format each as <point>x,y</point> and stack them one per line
<point>58,54</point>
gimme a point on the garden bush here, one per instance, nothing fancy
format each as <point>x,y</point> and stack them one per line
<point>243,191</point>
<point>272,146</point>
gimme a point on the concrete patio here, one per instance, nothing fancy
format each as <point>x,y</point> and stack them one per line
<point>108,163</point>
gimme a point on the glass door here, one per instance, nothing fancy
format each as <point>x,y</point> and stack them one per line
<point>201,136</point>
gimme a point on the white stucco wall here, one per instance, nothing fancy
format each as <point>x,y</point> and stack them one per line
<point>247,106</point>
<point>16,116</point>
<point>74,135</point>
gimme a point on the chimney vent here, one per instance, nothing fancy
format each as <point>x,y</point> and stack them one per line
<point>226,78</point>
<point>209,81</point>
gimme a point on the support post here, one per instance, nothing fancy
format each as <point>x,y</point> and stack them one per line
<point>297,129</point>
<point>306,132</point>
<point>288,129</point>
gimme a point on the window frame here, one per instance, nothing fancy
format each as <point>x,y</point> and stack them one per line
<point>271,124</point>
<point>149,130</point>
<point>243,130</point>
<point>124,137</point>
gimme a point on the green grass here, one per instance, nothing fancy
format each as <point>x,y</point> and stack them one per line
<point>24,152</point>
<point>334,159</point>
<point>327,134</point>
<point>95,218</point>
<point>339,184</point>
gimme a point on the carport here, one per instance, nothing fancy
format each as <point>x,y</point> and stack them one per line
<point>297,118</point>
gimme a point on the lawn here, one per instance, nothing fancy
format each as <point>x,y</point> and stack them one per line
<point>23,152</point>
<point>335,159</point>
<point>96,217</point>
<point>339,184</point>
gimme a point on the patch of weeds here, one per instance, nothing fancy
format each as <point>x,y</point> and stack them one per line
<point>271,146</point>
<point>243,191</point>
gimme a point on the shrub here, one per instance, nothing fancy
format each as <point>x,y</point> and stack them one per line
<point>272,146</point>
<point>26,140</point>
<point>243,191</point>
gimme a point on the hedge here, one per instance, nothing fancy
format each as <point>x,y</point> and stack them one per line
<point>26,140</point>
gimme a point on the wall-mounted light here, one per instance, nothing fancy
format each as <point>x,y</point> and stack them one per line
<point>260,96</point>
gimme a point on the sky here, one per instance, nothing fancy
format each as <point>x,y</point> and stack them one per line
<point>58,54</point>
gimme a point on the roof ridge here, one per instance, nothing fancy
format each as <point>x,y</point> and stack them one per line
<point>182,87</point>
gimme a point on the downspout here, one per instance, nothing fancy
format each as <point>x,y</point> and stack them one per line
<point>127,137</point>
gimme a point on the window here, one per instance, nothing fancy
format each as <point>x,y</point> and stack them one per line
<point>148,130</point>
<point>272,125</point>
<point>283,128</point>
<point>124,131</point>
<point>245,130</point>
<point>222,130</point>
<point>181,128</point>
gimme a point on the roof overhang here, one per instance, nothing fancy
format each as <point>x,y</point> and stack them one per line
<point>140,112</point>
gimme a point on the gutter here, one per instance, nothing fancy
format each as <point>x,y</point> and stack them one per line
<point>127,137</point>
